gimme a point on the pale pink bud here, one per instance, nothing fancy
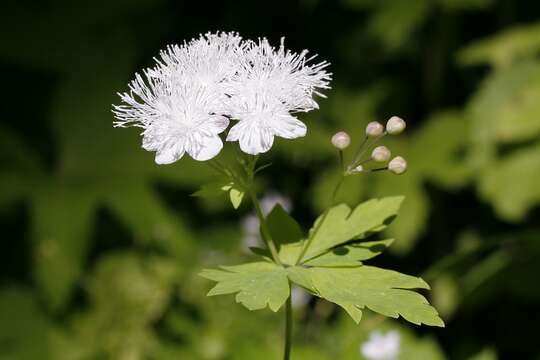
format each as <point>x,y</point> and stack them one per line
<point>397,165</point>
<point>380,154</point>
<point>341,140</point>
<point>374,129</point>
<point>395,125</point>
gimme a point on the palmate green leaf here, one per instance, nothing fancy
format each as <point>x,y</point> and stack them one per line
<point>257,284</point>
<point>390,293</point>
<point>384,291</point>
<point>283,228</point>
<point>340,224</point>
<point>350,255</point>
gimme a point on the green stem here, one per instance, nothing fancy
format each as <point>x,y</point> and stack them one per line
<point>363,148</point>
<point>321,221</point>
<point>288,328</point>
<point>265,230</point>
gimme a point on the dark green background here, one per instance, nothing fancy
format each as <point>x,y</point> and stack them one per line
<point>101,247</point>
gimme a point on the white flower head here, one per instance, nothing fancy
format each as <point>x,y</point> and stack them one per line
<point>381,347</point>
<point>271,85</point>
<point>186,100</point>
<point>180,102</point>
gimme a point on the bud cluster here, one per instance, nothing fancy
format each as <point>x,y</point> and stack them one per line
<point>380,154</point>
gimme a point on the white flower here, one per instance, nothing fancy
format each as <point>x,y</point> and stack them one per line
<point>269,86</point>
<point>187,99</point>
<point>180,102</point>
<point>381,347</point>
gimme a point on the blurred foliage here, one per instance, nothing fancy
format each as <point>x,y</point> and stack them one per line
<point>101,247</point>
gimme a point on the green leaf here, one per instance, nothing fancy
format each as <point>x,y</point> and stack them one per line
<point>62,216</point>
<point>350,255</point>
<point>236,195</point>
<point>384,291</point>
<point>505,48</point>
<point>339,224</point>
<point>283,228</point>
<point>257,285</point>
<point>213,189</point>
<point>511,184</point>
<point>289,253</point>
<point>506,108</point>
<point>395,21</point>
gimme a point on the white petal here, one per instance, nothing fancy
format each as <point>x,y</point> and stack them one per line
<point>170,153</point>
<point>256,142</point>
<point>202,148</point>
<point>236,131</point>
<point>214,125</point>
<point>289,127</point>
<point>253,138</point>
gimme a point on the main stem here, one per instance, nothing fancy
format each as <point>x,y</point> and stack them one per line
<point>267,237</point>
<point>288,328</point>
<point>265,230</point>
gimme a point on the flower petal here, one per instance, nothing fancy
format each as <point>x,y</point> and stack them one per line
<point>202,148</point>
<point>253,138</point>
<point>289,127</point>
<point>214,125</point>
<point>170,153</point>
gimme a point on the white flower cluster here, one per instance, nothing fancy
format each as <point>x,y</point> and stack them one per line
<point>188,98</point>
<point>381,347</point>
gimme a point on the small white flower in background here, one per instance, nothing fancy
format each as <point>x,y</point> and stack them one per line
<point>187,99</point>
<point>381,347</point>
<point>251,236</point>
<point>250,223</point>
<point>271,199</point>
<point>299,297</point>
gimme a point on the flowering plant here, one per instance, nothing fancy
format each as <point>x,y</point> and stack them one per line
<point>188,100</point>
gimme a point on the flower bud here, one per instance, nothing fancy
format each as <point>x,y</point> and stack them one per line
<point>374,129</point>
<point>395,125</point>
<point>380,154</point>
<point>358,169</point>
<point>397,165</point>
<point>341,140</point>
